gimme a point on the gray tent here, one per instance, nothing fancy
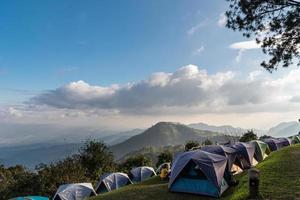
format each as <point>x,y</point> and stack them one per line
<point>228,152</point>
<point>76,191</point>
<point>140,174</point>
<point>199,172</point>
<point>112,181</point>
<point>245,155</point>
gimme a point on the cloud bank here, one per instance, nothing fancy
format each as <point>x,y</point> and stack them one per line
<point>187,90</point>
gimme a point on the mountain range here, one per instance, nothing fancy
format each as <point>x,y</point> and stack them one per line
<point>226,129</point>
<point>122,144</point>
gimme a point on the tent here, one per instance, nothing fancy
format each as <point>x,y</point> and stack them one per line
<point>164,165</point>
<point>283,142</point>
<point>199,172</point>
<point>245,155</point>
<point>261,150</point>
<point>112,181</point>
<point>295,139</point>
<point>140,174</point>
<point>75,191</point>
<point>228,152</point>
<point>30,198</point>
<point>273,143</point>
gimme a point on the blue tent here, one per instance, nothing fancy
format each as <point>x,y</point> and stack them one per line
<point>112,181</point>
<point>199,172</point>
<point>283,142</point>
<point>31,198</point>
<point>140,174</point>
<point>274,144</point>
<point>245,155</point>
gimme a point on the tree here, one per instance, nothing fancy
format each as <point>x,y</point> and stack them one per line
<point>51,176</point>
<point>96,159</point>
<point>207,142</point>
<point>273,23</point>
<point>191,144</point>
<point>135,161</point>
<point>248,136</point>
<point>164,157</point>
<point>17,181</point>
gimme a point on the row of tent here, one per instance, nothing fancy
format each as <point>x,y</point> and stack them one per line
<point>206,172</point>
<point>209,170</point>
<point>106,183</point>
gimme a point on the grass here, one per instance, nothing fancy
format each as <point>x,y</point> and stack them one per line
<point>280,179</point>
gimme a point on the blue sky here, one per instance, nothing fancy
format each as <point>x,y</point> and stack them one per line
<point>45,44</point>
<point>96,62</point>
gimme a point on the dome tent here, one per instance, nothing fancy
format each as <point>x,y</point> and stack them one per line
<point>140,174</point>
<point>228,152</point>
<point>245,155</point>
<point>112,181</point>
<point>198,172</point>
<point>261,150</point>
<point>295,139</point>
<point>274,144</point>
<point>283,142</point>
<point>30,198</point>
<point>75,191</point>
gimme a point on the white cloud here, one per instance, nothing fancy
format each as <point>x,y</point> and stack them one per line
<point>242,47</point>
<point>187,90</point>
<point>245,45</point>
<point>196,27</point>
<point>222,20</point>
<point>14,112</point>
<point>198,51</point>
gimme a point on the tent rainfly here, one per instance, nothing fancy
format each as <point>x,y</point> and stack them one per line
<point>261,150</point>
<point>199,172</point>
<point>274,144</point>
<point>140,174</point>
<point>245,155</point>
<point>112,181</point>
<point>75,191</point>
<point>228,152</point>
<point>284,142</point>
<point>30,198</point>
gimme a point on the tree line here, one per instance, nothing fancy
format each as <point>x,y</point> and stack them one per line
<point>93,159</point>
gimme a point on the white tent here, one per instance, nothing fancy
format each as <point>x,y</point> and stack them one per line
<point>112,181</point>
<point>140,174</point>
<point>76,191</point>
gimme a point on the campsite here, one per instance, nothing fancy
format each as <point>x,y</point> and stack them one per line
<point>149,99</point>
<point>207,172</point>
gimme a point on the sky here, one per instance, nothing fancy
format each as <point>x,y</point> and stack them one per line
<point>128,64</point>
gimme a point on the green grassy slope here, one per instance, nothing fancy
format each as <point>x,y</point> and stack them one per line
<point>280,179</point>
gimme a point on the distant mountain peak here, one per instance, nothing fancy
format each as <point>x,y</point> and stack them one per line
<point>225,129</point>
<point>285,129</point>
<point>159,135</point>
